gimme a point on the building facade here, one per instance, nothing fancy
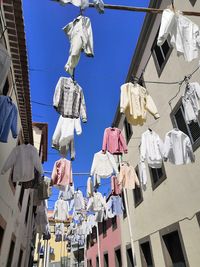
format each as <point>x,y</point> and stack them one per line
<point>16,209</point>
<point>109,244</point>
<point>165,216</point>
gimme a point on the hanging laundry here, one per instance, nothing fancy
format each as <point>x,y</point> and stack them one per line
<point>62,174</point>
<point>184,34</point>
<point>115,187</point>
<point>59,231</point>
<point>127,176</point>
<point>63,137</point>
<point>90,188</point>
<point>142,173</point>
<point>44,188</point>
<point>5,62</point>
<point>114,206</point>
<point>69,99</point>
<point>8,118</point>
<point>68,194</point>
<point>113,141</point>
<point>91,222</point>
<point>103,166</point>
<point>34,183</point>
<point>151,149</point>
<point>135,101</point>
<point>41,219</point>
<point>97,204</point>
<point>190,101</point>
<point>99,5</point>
<point>80,35</point>
<point>178,148</point>
<point>23,159</point>
<point>61,210</point>
<point>83,4</point>
<point>79,203</point>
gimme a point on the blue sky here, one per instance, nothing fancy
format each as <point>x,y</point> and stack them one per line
<point>115,36</point>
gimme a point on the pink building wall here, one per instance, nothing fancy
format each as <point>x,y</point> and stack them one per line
<point>108,244</point>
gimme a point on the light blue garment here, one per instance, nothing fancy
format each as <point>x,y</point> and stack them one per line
<point>115,206</point>
<point>8,118</point>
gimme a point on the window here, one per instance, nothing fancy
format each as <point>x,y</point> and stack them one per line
<point>104,228</point>
<point>2,230</point>
<point>97,261</point>
<point>20,258</point>
<point>12,184</point>
<point>21,197</point>
<point>137,192</point>
<point>106,261</point>
<point>129,257</point>
<point>118,258</point>
<point>158,175</point>
<point>193,2</point>
<point>114,223</point>
<point>146,255</point>
<point>161,54</point>
<point>89,263</point>
<point>172,249</point>
<point>128,130</point>
<point>27,210</point>
<point>192,129</point>
<point>11,252</point>
<point>123,201</point>
<point>6,87</point>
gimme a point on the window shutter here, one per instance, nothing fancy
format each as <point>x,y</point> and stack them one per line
<point>195,131</point>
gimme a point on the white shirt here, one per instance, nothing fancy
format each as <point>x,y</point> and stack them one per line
<point>185,35</point>
<point>23,159</point>
<point>190,101</point>
<point>103,165</point>
<point>178,148</point>
<point>61,210</point>
<point>151,149</point>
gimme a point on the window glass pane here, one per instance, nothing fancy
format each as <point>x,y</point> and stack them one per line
<point>1,235</point>
<point>10,255</point>
<point>174,249</point>
<point>159,55</point>
<point>146,255</point>
<point>181,121</point>
<point>165,48</point>
<point>195,130</point>
<point>118,258</point>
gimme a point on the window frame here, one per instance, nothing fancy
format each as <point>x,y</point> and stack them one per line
<point>124,203</point>
<point>13,239</point>
<point>28,209</point>
<point>3,225</point>
<point>158,67</point>
<point>137,202</point>
<point>127,248</point>
<point>141,242</point>
<point>114,223</point>
<point>162,179</point>
<point>128,130</point>
<point>198,217</point>
<point>193,2</point>
<point>104,254</point>
<point>196,144</point>
<point>116,249</point>
<point>104,228</point>
<point>170,229</point>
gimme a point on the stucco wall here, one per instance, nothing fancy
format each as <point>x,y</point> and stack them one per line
<point>108,244</point>
<point>178,196</point>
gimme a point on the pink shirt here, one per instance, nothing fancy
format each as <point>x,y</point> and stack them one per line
<point>113,141</point>
<point>115,187</point>
<point>128,177</point>
<point>62,173</point>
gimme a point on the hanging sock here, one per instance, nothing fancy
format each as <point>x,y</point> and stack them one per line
<point>80,35</point>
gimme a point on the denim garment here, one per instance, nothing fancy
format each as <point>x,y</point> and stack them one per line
<point>8,118</point>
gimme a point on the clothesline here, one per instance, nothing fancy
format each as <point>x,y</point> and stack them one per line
<point>141,9</point>
<point>74,173</point>
<point>189,76</point>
